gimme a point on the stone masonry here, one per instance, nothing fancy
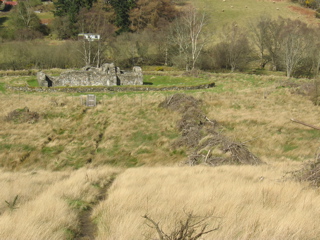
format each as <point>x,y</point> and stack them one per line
<point>106,75</point>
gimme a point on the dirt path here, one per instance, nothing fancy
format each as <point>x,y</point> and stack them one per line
<point>88,228</point>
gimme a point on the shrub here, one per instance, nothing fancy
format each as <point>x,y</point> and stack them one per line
<point>160,69</point>
<point>192,228</point>
<point>315,93</point>
<point>317,13</point>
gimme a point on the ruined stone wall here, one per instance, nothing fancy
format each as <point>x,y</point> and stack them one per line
<point>131,78</point>
<point>107,75</point>
<point>85,78</point>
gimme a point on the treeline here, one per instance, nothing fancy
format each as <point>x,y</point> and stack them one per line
<point>279,44</point>
<point>72,17</point>
<point>313,4</point>
<point>157,32</point>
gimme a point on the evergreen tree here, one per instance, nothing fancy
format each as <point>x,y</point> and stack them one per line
<point>66,13</point>
<point>122,18</point>
<point>71,8</point>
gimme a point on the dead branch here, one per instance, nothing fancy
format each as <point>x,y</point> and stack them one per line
<point>170,100</point>
<point>205,160</point>
<point>209,120</point>
<point>305,124</point>
<point>190,229</point>
<point>156,226</point>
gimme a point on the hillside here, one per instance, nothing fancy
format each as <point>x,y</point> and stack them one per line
<point>227,11</point>
<point>118,161</point>
<point>130,129</point>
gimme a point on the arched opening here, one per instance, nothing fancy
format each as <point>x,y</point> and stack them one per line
<point>48,81</point>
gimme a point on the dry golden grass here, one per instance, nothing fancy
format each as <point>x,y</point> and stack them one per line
<point>131,130</point>
<point>48,203</point>
<point>247,202</point>
<point>69,135</point>
<point>260,116</point>
<point>242,12</point>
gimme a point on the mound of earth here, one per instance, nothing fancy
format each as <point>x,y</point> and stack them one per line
<point>201,135</point>
<point>22,116</point>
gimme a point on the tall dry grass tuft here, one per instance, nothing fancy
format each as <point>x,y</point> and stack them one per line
<point>49,202</point>
<point>247,202</point>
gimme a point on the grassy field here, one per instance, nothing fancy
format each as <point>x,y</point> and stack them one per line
<point>130,129</point>
<point>129,138</point>
<point>243,12</point>
<point>48,203</point>
<point>243,202</point>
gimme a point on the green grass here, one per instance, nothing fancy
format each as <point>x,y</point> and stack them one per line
<point>158,80</point>
<point>23,147</point>
<point>2,87</point>
<point>51,151</point>
<point>79,204</point>
<point>140,137</point>
<point>45,15</point>
<point>143,151</point>
<point>3,21</point>
<point>242,12</point>
<point>33,82</point>
<point>289,147</point>
<point>52,115</point>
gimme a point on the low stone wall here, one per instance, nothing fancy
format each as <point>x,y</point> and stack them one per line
<point>107,89</point>
<point>85,78</point>
<point>106,75</point>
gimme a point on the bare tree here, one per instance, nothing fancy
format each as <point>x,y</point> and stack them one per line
<point>296,36</point>
<point>94,21</point>
<point>191,229</point>
<point>188,34</point>
<point>259,32</point>
<point>234,47</point>
<point>179,38</point>
<point>26,14</point>
<point>195,22</point>
<point>316,52</point>
<point>313,50</point>
<point>273,40</point>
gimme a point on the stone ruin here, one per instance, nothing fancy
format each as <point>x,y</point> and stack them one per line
<point>106,75</point>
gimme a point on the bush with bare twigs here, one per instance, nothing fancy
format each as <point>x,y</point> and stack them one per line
<point>310,172</point>
<point>202,135</point>
<point>192,228</point>
<point>22,115</point>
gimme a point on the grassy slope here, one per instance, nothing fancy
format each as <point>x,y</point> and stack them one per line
<point>241,12</point>
<point>131,130</point>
